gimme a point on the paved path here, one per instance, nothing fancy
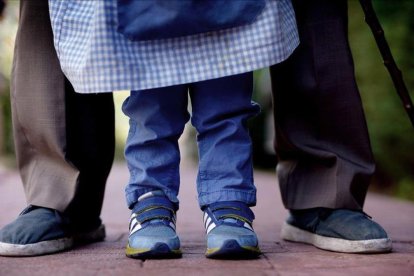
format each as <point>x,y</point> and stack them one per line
<point>279,258</point>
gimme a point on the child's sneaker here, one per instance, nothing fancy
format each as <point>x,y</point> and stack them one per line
<point>152,228</point>
<point>229,231</point>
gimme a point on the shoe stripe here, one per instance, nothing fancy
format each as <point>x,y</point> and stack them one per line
<point>132,220</point>
<point>205,218</point>
<point>135,226</point>
<point>211,227</point>
<point>207,223</point>
<point>135,229</point>
<point>246,225</point>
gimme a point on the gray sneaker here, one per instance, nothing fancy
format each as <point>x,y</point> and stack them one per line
<point>39,231</point>
<point>339,230</point>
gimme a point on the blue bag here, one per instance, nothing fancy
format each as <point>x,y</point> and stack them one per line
<point>160,19</point>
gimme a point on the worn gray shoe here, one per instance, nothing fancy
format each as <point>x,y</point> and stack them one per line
<point>339,230</point>
<point>39,231</point>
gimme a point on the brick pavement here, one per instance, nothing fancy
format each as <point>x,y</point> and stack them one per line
<point>279,258</point>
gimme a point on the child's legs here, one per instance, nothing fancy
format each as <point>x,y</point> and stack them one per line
<point>221,108</point>
<point>157,119</point>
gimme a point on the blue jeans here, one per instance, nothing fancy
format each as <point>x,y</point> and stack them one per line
<point>220,110</point>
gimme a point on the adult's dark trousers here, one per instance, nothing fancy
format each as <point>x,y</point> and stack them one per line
<point>64,141</point>
<point>322,142</point>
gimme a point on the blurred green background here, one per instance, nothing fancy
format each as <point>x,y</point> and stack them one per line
<point>392,135</point>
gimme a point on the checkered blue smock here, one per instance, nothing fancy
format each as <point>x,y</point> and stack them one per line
<point>96,58</point>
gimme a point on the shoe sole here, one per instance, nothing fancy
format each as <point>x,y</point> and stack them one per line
<point>231,249</point>
<point>295,234</point>
<point>158,251</point>
<point>35,249</point>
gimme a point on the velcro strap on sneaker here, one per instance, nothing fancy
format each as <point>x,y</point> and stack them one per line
<point>232,209</point>
<point>155,213</point>
<point>156,207</point>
